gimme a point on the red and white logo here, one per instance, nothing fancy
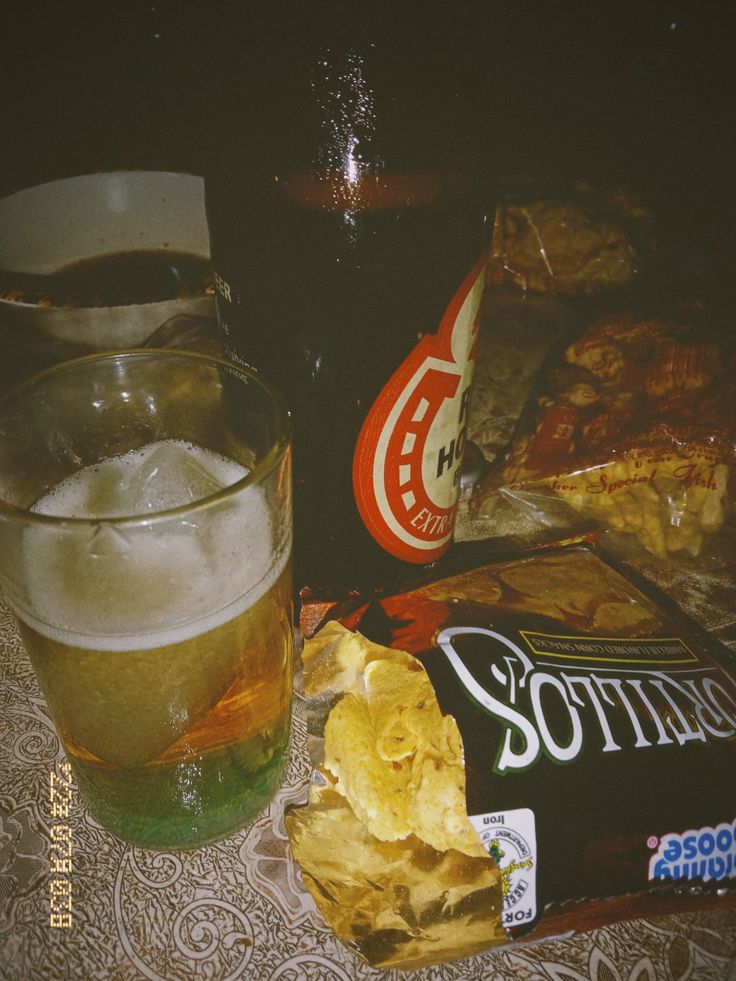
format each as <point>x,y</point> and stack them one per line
<point>406,468</point>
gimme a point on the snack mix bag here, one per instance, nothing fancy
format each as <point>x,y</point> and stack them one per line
<point>633,428</point>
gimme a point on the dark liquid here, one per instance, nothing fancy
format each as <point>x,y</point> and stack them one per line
<point>118,279</point>
<point>347,200</point>
<point>328,303</point>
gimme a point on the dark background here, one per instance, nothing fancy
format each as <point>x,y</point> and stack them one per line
<point>635,92</point>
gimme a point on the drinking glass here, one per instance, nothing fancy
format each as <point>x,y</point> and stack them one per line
<point>145,550</point>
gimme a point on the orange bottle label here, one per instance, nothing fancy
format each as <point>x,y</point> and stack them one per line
<point>406,468</point>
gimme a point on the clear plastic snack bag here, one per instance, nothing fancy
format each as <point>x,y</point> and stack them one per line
<point>631,428</point>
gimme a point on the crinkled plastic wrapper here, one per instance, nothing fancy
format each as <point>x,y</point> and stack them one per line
<point>386,806</point>
<point>599,729</point>
<point>569,241</point>
<point>633,430</point>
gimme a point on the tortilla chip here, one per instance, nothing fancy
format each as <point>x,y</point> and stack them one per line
<point>375,789</point>
<point>548,581</point>
<point>402,707</point>
<point>335,658</point>
<point>438,810</point>
<point>478,586</point>
<point>398,761</point>
<point>621,617</point>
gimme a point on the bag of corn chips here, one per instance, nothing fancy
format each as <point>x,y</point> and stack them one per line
<point>598,729</point>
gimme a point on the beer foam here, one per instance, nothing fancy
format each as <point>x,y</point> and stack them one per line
<point>156,477</point>
<point>117,587</point>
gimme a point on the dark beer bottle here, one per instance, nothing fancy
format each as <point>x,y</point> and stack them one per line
<point>350,205</point>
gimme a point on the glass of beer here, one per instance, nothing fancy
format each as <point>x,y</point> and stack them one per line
<point>145,549</point>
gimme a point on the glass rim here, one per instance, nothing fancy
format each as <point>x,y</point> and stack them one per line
<point>257,475</point>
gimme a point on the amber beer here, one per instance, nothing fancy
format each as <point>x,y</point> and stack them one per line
<point>145,549</point>
<point>349,206</point>
<point>150,772</point>
<point>176,724</point>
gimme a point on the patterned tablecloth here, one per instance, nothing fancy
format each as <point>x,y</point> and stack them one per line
<point>237,909</point>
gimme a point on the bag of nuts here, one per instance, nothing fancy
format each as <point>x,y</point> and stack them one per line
<point>633,428</point>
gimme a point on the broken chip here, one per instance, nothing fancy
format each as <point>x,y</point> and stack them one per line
<point>396,758</point>
<point>375,789</point>
<point>337,662</point>
<point>402,707</point>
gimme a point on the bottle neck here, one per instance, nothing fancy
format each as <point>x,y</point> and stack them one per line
<point>337,87</point>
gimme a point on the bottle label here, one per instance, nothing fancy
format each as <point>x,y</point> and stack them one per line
<point>406,468</point>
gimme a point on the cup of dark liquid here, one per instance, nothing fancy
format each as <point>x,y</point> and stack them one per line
<point>101,261</point>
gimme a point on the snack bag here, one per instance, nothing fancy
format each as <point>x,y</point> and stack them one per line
<point>633,428</point>
<point>599,731</point>
<point>564,241</point>
<point>385,844</point>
